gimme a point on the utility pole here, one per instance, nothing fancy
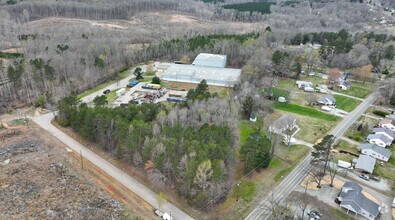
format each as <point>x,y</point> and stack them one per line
<point>82,164</point>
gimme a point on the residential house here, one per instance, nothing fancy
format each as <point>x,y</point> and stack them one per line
<point>344,85</point>
<point>303,84</point>
<point>285,122</point>
<point>388,123</point>
<point>375,151</point>
<point>352,199</point>
<point>379,139</point>
<point>365,163</point>
<point>327,100</point>
<point>385,131</point>
<point>390,116</point>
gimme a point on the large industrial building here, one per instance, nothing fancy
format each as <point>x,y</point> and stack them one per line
<point>210,67</point>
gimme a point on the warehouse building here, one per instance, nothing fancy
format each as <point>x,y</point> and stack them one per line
<point>209,67</point>
<point>210,60</point>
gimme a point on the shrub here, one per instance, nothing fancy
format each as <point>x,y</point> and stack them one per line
<point>380,113</point>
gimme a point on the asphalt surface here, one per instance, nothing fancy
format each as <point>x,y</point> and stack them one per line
<point>288,184</point>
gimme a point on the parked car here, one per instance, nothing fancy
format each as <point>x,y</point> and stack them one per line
<point>362,176</point>
<point>314,214</point>
<point>106,91</point>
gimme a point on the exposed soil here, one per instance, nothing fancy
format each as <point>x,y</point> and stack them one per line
<point>39,179</point>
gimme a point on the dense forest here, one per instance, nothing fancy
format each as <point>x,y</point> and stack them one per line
<point>189,148</point>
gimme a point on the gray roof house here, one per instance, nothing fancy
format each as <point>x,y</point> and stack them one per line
<point>386,131</point>
<point>285,122</point>
<point>365,163</point>
<point>352,199</point>
<point>379,139</point>
<point>327,100</point>
<point>390,116</point>
<point>377,152</point>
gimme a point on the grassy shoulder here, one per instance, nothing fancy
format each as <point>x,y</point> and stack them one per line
<point>309,112</point>
<point>259,183</point>
<point>345,103</point>
<point>122,75</point>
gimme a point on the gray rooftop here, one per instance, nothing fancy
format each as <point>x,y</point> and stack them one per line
<point>365,163</point>
<point>195,74</point>
<point>352,195</point>
<point>385,130</point>
<point>327,98</point>
<point>282,123</point>
<point>380,150</point>
<point>381,137</point>
<point>210,60</point>
<point>390,116</point>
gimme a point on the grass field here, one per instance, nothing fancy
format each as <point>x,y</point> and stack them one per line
<point>246,128</point>
<point>345,103</point>
<point>312,129</point>
<point>344,145</point>
<point>304,111</point>
<point>358,89</point>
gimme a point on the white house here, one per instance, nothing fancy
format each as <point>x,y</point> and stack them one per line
<point>385,131</point>
<point>388,123</point>
<point>375,151</point>
<point>327,100</point>
<point>379,139</point>
<point>303,84</point>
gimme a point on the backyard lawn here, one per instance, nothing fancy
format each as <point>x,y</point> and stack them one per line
<point>345,146</point>
<point>358,89</point>
<point>345,103</point>
<point>309,112</point>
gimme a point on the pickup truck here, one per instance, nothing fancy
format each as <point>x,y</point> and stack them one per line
<point>164,216</point>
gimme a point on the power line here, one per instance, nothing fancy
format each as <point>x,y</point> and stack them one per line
<point>230,188</point>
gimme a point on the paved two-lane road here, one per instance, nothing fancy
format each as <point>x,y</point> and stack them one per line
<point>289,183</point>
<point>139,189</point>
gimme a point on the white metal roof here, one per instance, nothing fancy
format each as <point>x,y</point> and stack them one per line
<point>210,60</point>
<point>195,74</point>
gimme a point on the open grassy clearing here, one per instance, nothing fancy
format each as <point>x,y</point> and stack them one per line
<point>310,112</point>
<point>358,89</point>
<point>346,146</point>
<point>112,96</point>
<point>312,129</point>
<point>340,156</point>
<point>345,103</point>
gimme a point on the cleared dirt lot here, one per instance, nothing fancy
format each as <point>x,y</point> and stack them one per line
<point>39,179</point>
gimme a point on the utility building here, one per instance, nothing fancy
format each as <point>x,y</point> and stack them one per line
<point>209,67</point>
